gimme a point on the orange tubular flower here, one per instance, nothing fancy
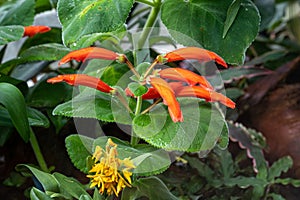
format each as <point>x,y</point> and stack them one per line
<point>193,53</point>
<point>30,31</point>
<point>82,79</point>
<point>184,75</point>
<point>168,96</point>
<point>208,95</point>
<point>87,53</point>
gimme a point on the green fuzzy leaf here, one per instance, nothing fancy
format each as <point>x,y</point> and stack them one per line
<point>201,129</point>
<point>48,181</point>
<point>12,99</point>
<point>10,34</point>
<point>45,52</point>
<point>142,67</point>
<point>151,187</point>
<point>94,104</point>
<point>116,74</point>
<point>80,18</point>
<point>281,165</point>
<point>202,23</point>
<point>147,159</point>
<point>20,12</point>
<point>137,89</point>
<point>79,148</point>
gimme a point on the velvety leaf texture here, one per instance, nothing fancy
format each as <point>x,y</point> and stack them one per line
<point>202,127</point>
<point>79,18</point>
<point>201,23</point>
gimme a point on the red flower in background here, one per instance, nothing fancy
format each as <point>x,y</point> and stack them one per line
<point>82,79</point>
<point>82,55</point>
<point>30,31</point>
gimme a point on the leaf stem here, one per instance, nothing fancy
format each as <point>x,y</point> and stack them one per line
<point>150,3</point>
<point>135,140</point>
<point>150,68</point>
<point>131,67</point>
<point>37,151</point>
<point>149,23</point>
<point>152,106</point>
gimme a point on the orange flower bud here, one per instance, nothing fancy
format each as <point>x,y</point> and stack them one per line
<point>184,75</point>
<point>30,31</point>
<point>82,79</point>
<point>208,95</point>
<point>194,53</point>
<point>88,53</point>
<point>168,96</point>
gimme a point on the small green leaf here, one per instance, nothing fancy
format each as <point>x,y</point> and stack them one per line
<point>153,188</point>
<point>79,148</point>
<point>80,18</point>
<point>275,196</point>
<point>147,159</point>
<point>231,15</point>
<point>137,89</point>
<point>201,129</point>
<point>36,118</point>
<point>142,67</point>
<point>10,34</point>
<point>36,194</point>
<point>288,181</point>
<point>243,182</point>
<point>19,12</point>
<point>12,99</point>
<point>281,165</point>
<point>48,181</point>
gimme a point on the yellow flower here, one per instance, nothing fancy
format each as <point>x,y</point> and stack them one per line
<point>109,173</point>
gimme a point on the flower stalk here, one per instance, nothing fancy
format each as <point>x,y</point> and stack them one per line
<point>37,152</point>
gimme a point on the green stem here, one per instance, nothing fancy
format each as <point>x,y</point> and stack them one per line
<point>37,152</point>
<point>149,23</point>
<point>135,140</point>
<point>150,3</point>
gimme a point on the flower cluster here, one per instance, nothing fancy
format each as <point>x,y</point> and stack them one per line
<point>184,83</point>
<point>109,173</point>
